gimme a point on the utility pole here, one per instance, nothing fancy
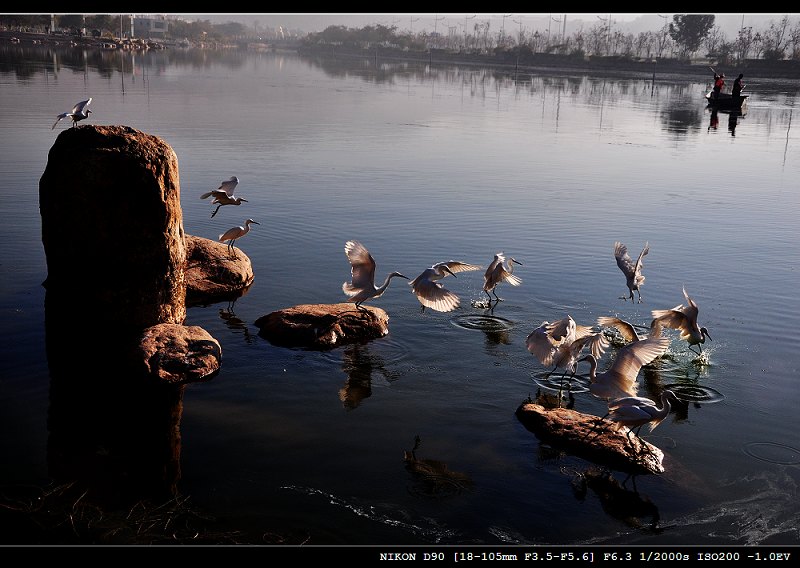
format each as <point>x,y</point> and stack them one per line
<point>503,28</point>
<point>465,28</point>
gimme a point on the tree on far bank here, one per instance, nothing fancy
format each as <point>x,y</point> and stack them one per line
<point>689,31</point>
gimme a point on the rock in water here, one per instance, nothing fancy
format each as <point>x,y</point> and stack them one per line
<point>178,354</point>
<point>112,226</point>
<point>212,274</point>
<point>323,326</point>
<point>592,438</point>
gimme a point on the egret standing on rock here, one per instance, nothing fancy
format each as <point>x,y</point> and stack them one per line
<point>498,272</point>
<point>632,271</point>
<point>432,294</point>
<point>78,112</point>
<point>684,319</point>
<point>635,411</point>
<point>235,233</point>
<point>619,380</point>
<point>224,194</point>
<point>362,287</point>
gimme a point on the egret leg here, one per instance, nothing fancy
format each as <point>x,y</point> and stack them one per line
<point>499,299</point>
<point>215,210</point>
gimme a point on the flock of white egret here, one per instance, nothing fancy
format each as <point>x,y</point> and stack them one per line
<point>559,343</point>
<point>562,342</point>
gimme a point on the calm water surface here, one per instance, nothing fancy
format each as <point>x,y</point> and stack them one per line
<point>425,164</point>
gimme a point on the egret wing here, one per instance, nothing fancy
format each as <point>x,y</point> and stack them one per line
<point>433,295</point>
<point>362,267</point>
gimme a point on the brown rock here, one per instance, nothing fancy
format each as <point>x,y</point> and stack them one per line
<point>212,273</point>
<point>592,438</point>
<point>323,325</point>
<point>178,354</point>
<point>112,226</point>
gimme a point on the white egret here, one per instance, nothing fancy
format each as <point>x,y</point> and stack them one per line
<point>619,380</point>
<point>632,270</point>
<point>431,293</point>
<point>635,411</point>
<point>362,287</point>
<point>626,329</point>
<point>498,272</point>
<point>561,342</point>
<point>78,113</point>
<point>684,319</point>
<point>235,233</point>
<point>223,195</point>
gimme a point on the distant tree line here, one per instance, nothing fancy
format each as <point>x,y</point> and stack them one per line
<point>685,37</point>
<point>111,26</point>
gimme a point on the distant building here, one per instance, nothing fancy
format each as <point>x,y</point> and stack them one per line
<point>150,26</point>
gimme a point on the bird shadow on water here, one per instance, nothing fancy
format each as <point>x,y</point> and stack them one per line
<point>433,478</point>
<point>617,500</point>
<point>359,364</point>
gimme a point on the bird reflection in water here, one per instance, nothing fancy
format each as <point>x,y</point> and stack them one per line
<point>432,478</point>
<point>234,322</point>
<point>628,506</point>
<point>359,364</point>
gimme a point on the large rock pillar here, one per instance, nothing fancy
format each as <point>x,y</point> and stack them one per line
<point>112,226</point>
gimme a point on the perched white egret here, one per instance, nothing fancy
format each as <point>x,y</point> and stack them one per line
<point>636,411</point>
<point>431,293</point>
<point>362,287</point>
<point>619,380</point>
<point>236,233</point>
<point>632,270</point>
<point>560,344</point>
<point>78,113</point>
<point>499,271</point>
<point>223,195</point>
<point>684,319</point>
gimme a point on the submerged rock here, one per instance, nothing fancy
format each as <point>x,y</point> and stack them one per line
<point>178,354</point>
<point>323,325</point>
<point>592,438</point>
<point>212,273</point>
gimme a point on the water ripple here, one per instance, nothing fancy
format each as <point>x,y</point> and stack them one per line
<point>695,393</point>
<point>772,452</point>
<point>482,322</point>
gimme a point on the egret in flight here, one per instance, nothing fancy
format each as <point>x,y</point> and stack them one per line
<point>632,270</point>
<point>431,293</point>
<point>78,112</point>
<point>236,233</point>
<point>684,319</point>
<point>362,286</point>
<point>619,380</point>
<point>499,271</point>
<point>224,194</point>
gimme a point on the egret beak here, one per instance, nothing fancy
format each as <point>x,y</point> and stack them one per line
<point>515,260</point>
<point>243,199</point>
<point>450,272</point>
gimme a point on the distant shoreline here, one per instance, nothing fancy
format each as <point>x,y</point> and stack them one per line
<point>621,65</point>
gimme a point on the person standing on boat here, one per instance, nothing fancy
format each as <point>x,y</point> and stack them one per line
<point>736,91</point>
<point>719,83</point>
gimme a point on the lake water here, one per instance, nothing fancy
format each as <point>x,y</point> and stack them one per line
<point>424,164</point>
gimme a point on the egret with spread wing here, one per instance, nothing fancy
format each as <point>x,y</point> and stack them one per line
<point>632,270</point>
<point>224,194</point>
<point>499,271</point>
<point>236,233</point>
<point>362,285</point>
<point>684,319</point>
<point>431,293</point>
<point>560,344</point>
<point>78,113</point>
<point>619,380</point>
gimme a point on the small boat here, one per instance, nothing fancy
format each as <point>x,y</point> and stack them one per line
<point>726,101</point>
